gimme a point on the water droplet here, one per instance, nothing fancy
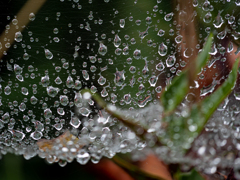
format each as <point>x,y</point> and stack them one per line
<point>127,98</point>
<point>92,59</point>
<point>158,89</point>
<point>117,41</point>
<point>36,135</point>
<point>78,85</point>
<point>24,91</point>
<point>18,36</point>
<point>52,91</point>
<point>84,111</point>
<point>32,16</point>
<point>162,49</point>
<point>85,75</point>
<point>102,50</point>
<point>75,122</point>
<point>230,47</point>
<point>58,80</point>
<point>153,80</point>
<point>122,23</point>
<point>101,80</point>
<point>63,100</point>
<point>6,117</point>
<point>82,157</point>
<point>168,17</point>
<point>237,2</point>
<point>17,135</point>
<point>48,54</point>
<point>45,81</point>
<point>26,56</point>
<point>60,111</point>
<point>160,66</point>
<point>178,39</point>
<point>47,113</point>
<point>207,18</point>
<point>218,21</point>
<point>170,61</point>
<point>22,107</point>
<point>119,78</point>
<point>70,82</point>
<point>161,33</point>
<point>17,69</point>
<point>137,54</point>
<point>7,90</point>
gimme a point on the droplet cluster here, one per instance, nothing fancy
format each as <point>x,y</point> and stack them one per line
<point>126,55</point>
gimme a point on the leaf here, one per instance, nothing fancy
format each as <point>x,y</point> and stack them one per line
<point>203,57</point>
<point>176,92</point>
<point>210,104</point>
<point>192,175</point>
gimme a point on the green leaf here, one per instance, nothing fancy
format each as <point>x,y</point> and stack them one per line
<point>203,57</point>
<point>179,87</point>
<point>210,104</point>
<point>192,175</point>
<point>175,92</point>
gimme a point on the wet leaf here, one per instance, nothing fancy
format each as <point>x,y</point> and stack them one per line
<point>203,57</point>
<point>176,92</point>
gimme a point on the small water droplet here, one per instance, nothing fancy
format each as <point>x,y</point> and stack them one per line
<point>170,61</point>
<point>122,23</point>
<point>48,54</point>
<point>117,41</point>
<point>162,49</point>
<point>63,100</point>
<point>52,91</point>
<point>137,54</point>
<point>18,36</point>
<point>102,50</point>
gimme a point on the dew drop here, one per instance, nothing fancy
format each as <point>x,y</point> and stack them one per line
<point>48,54</point>
<point>63,100</point>
<point>52,91</point>
<point>75,122</point>
<point>117,41</point>
<point>170,61</point>
<point>137,54</point>
<point>18,36</point>
<point>162,49</point>
<point>102,50</point>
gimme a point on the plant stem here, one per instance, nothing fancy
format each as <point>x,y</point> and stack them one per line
<point>121,162</point>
